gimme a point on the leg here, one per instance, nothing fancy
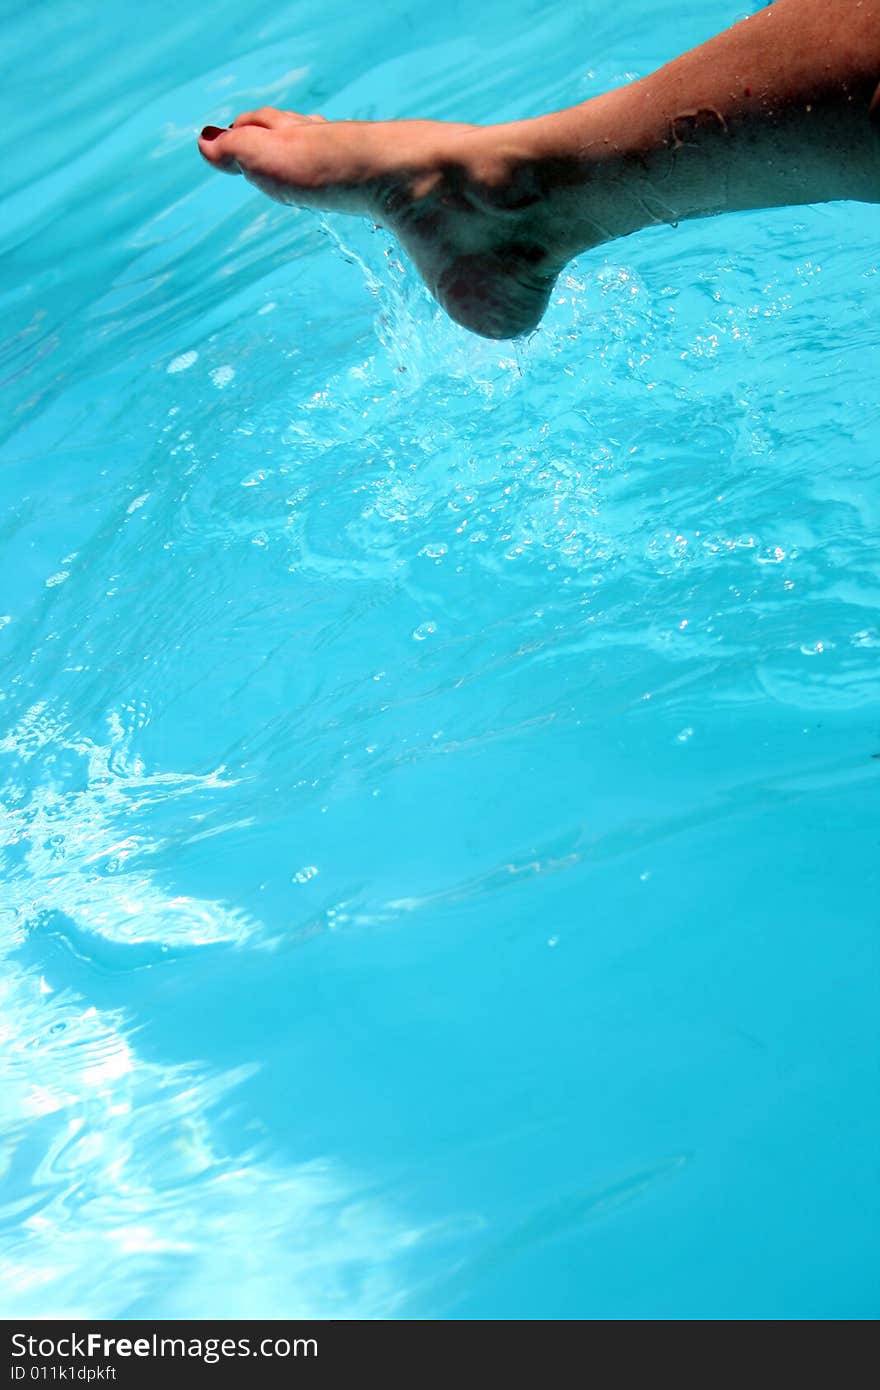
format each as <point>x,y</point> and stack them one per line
<point>781,109</point>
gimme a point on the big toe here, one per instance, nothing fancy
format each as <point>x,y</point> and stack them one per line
<point>231,151</point>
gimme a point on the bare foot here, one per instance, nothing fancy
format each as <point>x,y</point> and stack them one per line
<point>781,109</point>
<point>460,207</point>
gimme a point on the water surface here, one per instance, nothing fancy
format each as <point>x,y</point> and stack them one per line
<point>439,778</point>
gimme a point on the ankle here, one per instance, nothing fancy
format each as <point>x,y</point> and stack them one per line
<point>567,177</point>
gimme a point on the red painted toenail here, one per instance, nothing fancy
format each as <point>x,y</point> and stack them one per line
<point>211,132</point>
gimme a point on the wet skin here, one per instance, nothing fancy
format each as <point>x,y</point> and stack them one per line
<point>781,109</point>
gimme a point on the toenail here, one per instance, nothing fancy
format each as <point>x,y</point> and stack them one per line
<point>211,132</point>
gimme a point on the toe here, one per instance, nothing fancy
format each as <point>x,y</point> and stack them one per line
<point>231,151</point>
<point>270,118</point>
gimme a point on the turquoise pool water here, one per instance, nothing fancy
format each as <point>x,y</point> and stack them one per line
<point>439,778</point>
